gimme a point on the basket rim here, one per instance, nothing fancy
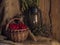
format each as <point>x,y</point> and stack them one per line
<point>11,21</point>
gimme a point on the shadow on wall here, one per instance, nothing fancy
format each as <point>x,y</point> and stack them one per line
<point>1,1</point>
<point>1,12</point>
<point>1,15</point>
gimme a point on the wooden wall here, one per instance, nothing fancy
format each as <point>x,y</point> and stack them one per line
<point>55,12</point>
<point>45,9</point>
<point>55,15</point>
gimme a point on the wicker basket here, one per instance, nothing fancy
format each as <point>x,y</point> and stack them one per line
<point>16,35</point>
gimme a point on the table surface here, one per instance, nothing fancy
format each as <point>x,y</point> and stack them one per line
<point>41,41</point>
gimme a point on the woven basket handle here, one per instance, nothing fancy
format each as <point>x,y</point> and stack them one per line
<point>11,21</point>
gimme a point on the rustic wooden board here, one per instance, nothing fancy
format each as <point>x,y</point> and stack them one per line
<point>44,5</point>
<point>55,12</point>
<point>55,15</point>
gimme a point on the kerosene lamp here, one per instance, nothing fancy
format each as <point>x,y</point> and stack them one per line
<point>33,18</point>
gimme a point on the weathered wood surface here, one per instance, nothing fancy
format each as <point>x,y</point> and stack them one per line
<point>55,15</point>
<point>41,41</point>
<point>45,9</point>
<point>55,12</point>
<point>44,6</point>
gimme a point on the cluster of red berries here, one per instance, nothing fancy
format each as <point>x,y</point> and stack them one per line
<point>18,26</point>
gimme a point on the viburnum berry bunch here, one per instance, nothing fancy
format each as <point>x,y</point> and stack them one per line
<point>14,26</point>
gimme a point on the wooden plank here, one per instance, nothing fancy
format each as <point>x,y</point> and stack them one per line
<point>45,8</point>
<point>55,12</point>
